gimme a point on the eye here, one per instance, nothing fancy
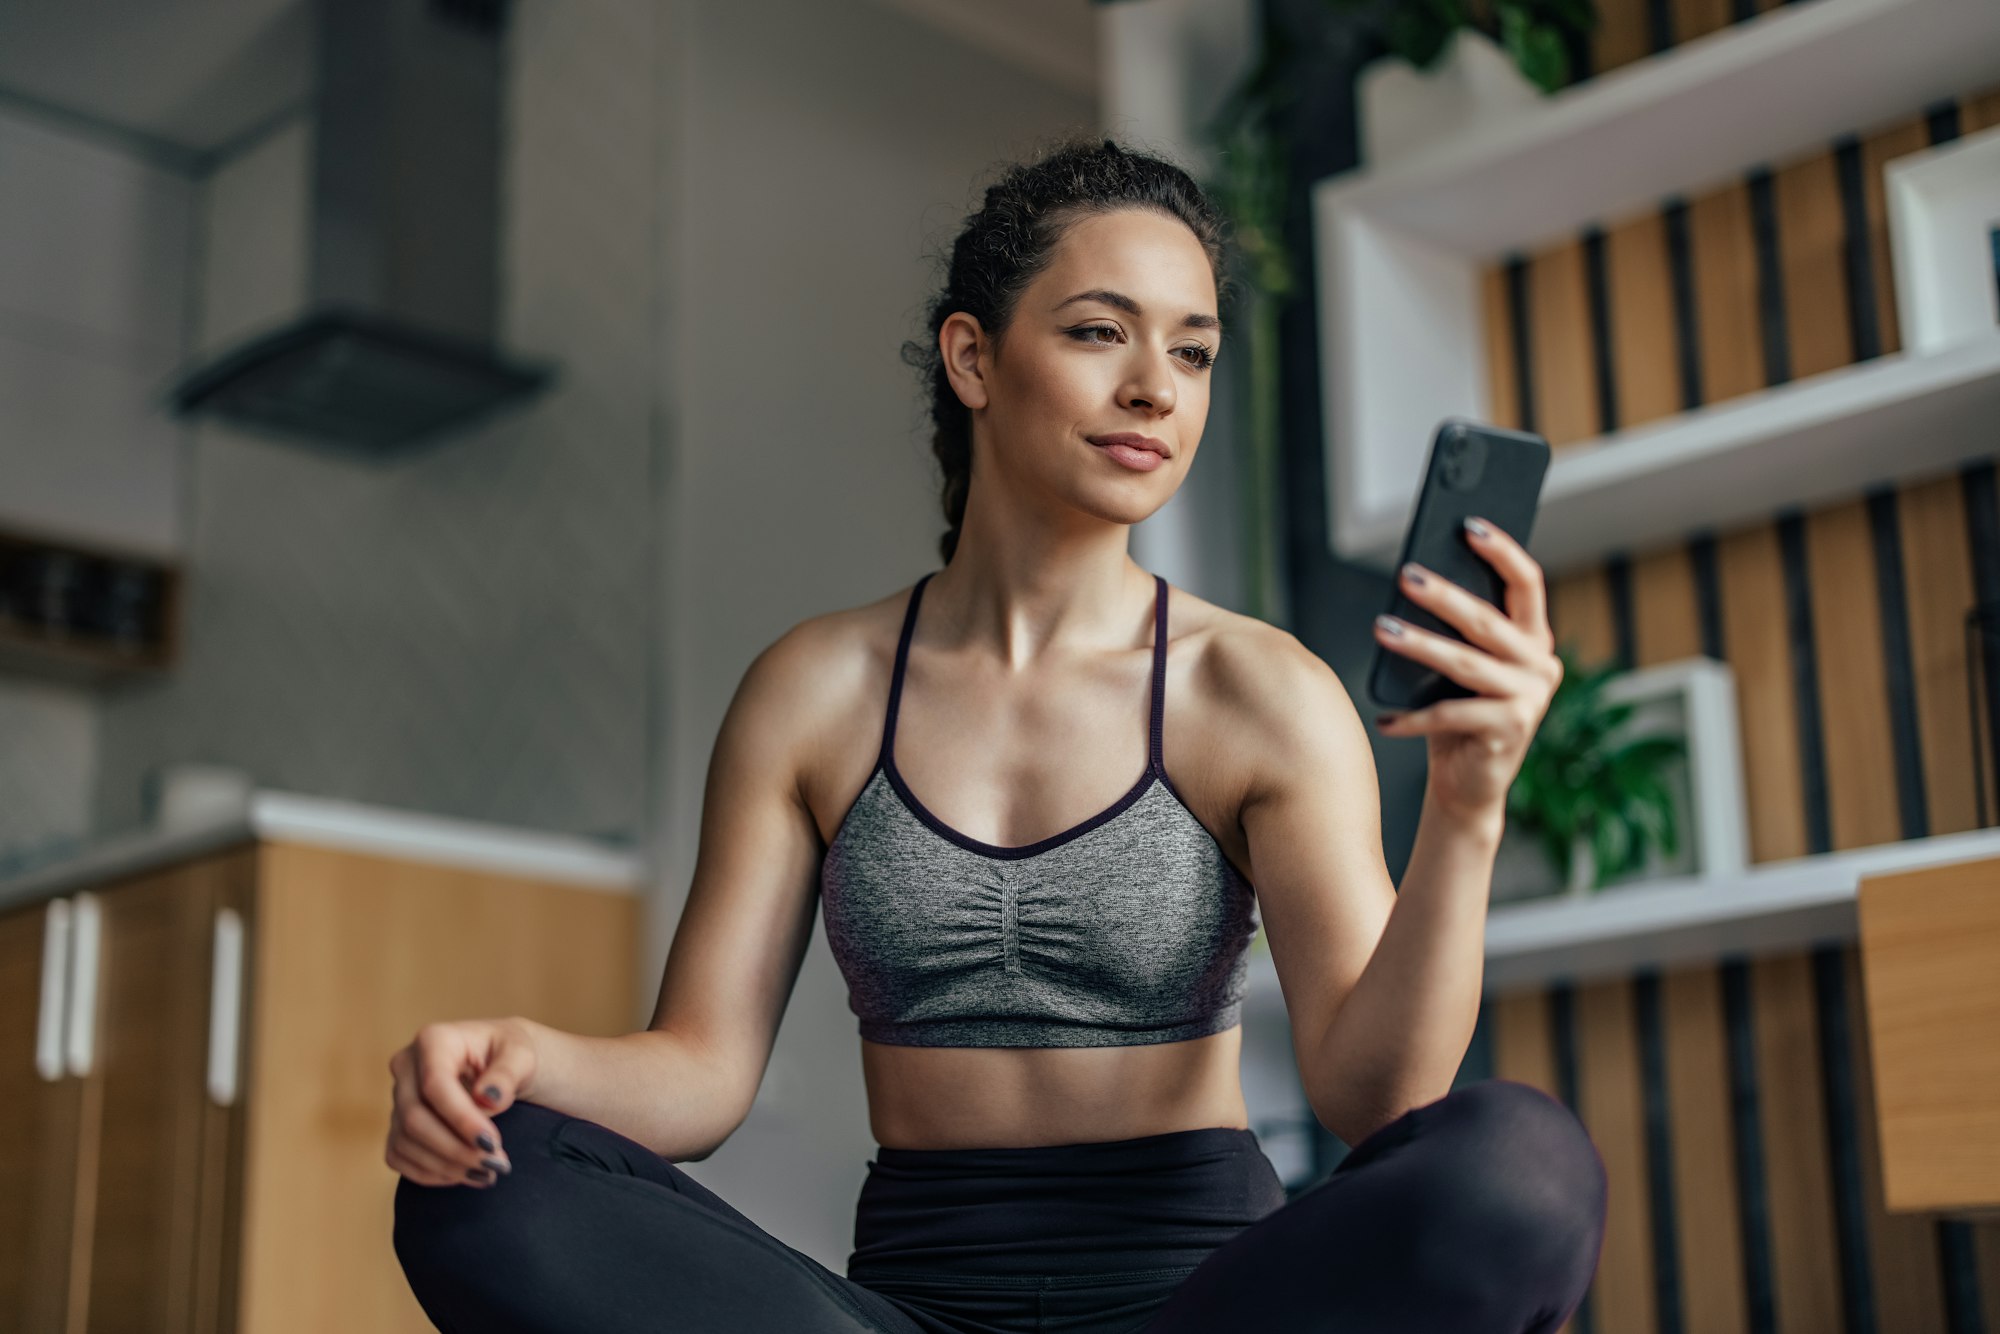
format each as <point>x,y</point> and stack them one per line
<point>1202,359</point>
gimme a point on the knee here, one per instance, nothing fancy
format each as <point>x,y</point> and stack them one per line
<point>1527,1167</point>
<point>451,1227</point>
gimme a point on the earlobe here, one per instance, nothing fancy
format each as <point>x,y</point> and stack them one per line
<point>960,341</point>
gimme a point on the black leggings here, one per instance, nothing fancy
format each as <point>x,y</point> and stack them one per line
<point>1481,1211</point>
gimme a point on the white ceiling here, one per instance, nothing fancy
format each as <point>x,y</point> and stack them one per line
<point>192,76</point>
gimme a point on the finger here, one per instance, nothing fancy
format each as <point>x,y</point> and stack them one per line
<point>1473,668</point>
<point>1473,616</point>
<point>421,1124</point>
<point>1492,717</point>
<point>441,1056</point>
<point>1527,590</point>
<point>499,1083</point>
<point>420,1164</point>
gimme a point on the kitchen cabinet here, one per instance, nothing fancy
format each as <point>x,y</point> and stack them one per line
<point>194,1085</point>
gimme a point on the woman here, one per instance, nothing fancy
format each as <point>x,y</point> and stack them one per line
<point>1048,1005</point>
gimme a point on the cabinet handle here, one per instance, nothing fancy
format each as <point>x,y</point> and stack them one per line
<point>55,990</point>
<point>224,1002</point>
<point>85,937</point>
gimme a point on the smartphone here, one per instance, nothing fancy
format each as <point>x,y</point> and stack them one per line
<point>1474,469</point>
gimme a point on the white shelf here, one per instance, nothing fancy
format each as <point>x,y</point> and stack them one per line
<point>1775,907</point>
<point>1776,86</point>
<point>1400,253</point>
<point>1823,438</point>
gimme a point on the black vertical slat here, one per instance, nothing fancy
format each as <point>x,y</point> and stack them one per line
<point>1562,1026</point>
<point>1981,497</point>
<point>1941,119</point>
<point>1739,10</point>
<point>1843,1138</point>
<point>1863,320</point>
<point>1805,681</point>
<point>1618,577</point>
<point>1898,667</point>
<point>1752,1202</point>
<point>1660,25</point>
<point>1524,351</point>
<point>1659,1153</point>
<point>1598,288</point>
<point>1687,326</point>
<point>1958,1257</point>
<point>1770,277</point>
<point>1707,593</point>
<point>1958,1271</point>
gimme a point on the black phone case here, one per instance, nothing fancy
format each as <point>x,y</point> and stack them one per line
<point>1473,469</point>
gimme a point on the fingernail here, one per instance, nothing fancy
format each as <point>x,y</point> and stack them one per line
<point>479,1174</point>
<point>1476,528</point>
<point>1384,719</point>
<point>497,1165</point>
<point>1390,624</point>
<point>492,1093</point>
<point>485,1142</point>
<point>1414,573</point>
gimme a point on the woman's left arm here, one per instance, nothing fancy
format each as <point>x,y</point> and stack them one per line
<point>1383,985</point>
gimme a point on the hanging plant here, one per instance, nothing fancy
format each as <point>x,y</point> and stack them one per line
<point>1583,790</point>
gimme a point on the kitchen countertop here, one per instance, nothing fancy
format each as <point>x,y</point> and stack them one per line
<point>288,817</point>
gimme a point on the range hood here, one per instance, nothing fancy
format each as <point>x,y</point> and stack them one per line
<point>396,340</point>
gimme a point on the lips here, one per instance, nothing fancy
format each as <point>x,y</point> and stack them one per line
<point>1132,440</point>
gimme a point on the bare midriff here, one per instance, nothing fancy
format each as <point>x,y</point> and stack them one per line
<point>1009,1097</point>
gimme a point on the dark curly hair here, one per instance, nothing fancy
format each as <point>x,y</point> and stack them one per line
<point>1011,238</point>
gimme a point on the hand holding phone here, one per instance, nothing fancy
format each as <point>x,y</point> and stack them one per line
<point>1474,471</point>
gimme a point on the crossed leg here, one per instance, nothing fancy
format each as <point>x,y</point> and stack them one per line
<point>1479,1213</point>
<point>592,1231</point>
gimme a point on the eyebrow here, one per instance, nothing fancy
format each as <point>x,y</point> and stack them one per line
<point>1194,320</point>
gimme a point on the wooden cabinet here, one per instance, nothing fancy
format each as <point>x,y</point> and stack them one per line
<point>195,1090</point>
<point>1930,956</point>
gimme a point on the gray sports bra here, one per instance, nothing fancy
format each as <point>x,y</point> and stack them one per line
<point>1131,927</point>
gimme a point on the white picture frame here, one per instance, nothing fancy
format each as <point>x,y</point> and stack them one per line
<point>1944,203</point>
<point>1694,698</point>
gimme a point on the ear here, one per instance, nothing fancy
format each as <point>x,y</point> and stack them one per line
<point>964,346</point>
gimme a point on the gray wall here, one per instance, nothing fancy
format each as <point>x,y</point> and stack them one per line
<point>93,298</point>
<point>820,147</point>
<point>464,630</point>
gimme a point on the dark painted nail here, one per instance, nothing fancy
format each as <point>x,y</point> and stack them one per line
<point>1476,528</point>
<point>1414,573</point>
<point>1390,624</point>
<point>497,1165</point>
<point>492,1093</point>
<point>485,1142</point>
<point>1384,719</point>
<point>479,1174</point>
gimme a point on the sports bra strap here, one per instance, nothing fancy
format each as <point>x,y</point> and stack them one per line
<point>896,676</point>
<point>1155,752</point>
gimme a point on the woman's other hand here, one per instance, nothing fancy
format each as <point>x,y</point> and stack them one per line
<point>1509,662</point>
<point>449,1082</point>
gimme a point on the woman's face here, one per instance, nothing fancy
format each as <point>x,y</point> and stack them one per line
<point>1115,336</point>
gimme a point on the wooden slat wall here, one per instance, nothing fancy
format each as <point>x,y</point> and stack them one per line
<point>1764,1062</point>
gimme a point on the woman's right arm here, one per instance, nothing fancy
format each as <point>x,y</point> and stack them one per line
<point>684,1084</point>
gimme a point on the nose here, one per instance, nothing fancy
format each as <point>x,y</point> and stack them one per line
<point>1150,386</point>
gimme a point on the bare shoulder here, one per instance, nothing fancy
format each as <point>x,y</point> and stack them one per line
<point>1257,683</point>
<point>816,694</point>
<point>811,674</point>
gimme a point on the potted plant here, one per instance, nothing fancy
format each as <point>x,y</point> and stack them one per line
<point>1599,804</point>
<point>1462,63</point>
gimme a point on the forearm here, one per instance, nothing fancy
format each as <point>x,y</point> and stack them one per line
<point>1398,1039</point>
<point>649,1086</point>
